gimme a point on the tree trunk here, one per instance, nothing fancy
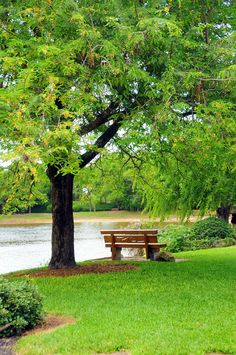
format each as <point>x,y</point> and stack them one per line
<point>223,212</point>
<point>62,219</point>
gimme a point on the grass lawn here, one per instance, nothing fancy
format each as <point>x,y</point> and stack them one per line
<point>160,308</point>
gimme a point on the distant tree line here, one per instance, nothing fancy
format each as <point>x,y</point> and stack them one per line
<point>108,184</point>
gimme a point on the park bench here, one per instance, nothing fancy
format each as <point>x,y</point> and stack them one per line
<point>118,239</point>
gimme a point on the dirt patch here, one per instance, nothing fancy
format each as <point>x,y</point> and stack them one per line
<point>78,270</point>
<point>49,323</point>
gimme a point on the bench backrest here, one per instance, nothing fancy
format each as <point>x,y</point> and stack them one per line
<point>130,236</point>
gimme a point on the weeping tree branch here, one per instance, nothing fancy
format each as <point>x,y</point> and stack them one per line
<point>134,158</point>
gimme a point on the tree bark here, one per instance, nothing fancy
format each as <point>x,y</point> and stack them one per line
<point>62,201</point>
<point>223,212</point>
<point>62,219</point>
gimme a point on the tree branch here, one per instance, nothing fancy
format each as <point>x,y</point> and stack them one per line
<point>5,327</point>
<point>100,143</point>
<point>100,119</point>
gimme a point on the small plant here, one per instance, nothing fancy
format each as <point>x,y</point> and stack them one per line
<point>212,228</point>
<point>20,307</point>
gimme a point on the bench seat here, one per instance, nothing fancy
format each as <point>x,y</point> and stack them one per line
<point>135,245</point>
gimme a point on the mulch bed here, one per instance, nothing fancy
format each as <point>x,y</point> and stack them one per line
<point>78,270</point>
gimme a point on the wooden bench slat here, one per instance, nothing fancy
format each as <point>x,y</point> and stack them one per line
<point>135,245</point>
<point>134,238</point>
<point>118,244</point>
<point>127,245</point>
<point>127,231</point>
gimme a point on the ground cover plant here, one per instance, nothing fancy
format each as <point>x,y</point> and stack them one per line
<point>159,308</point>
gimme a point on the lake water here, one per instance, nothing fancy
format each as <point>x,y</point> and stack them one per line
<point>25,247</point>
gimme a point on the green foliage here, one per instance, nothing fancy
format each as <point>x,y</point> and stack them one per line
<point>212,228</point>
<point>82,206</point>
<point>207,233</point>
<point>22,186</point>
<point>176,237</point>
<point>107,184</point>
<point>192,165</point>
<point>20,306</point>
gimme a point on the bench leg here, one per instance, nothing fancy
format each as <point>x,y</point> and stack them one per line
<point>116,253</point>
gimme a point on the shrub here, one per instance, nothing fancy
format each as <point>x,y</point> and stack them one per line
<point>207,233</point>
<point>20,306</point>
<point>176,237</point>
<point>212,228</point>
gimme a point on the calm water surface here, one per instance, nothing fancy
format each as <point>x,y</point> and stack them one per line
<point>24,247</point>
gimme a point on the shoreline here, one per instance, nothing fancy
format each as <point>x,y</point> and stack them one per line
<point>23,220</point>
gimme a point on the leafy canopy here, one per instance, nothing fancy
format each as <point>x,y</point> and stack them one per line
<point>72,72</point>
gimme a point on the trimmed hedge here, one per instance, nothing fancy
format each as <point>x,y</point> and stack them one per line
<point>20,307</point>
<point>212,227</point>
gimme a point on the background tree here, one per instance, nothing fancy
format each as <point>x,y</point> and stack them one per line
<point>108,184</point>
<point>73,73</point>
<point>189,157</point>
<point>194,167</point>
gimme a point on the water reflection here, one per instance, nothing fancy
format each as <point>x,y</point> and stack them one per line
<point>24,247</point>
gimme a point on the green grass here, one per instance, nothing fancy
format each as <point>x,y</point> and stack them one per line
<point>110,214</point>
<point>160,308</point>
<point>25,215</point>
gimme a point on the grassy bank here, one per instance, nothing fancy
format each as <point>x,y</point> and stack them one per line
<point>159,308</point>
<point>41,218</point>
<point>116,216</point>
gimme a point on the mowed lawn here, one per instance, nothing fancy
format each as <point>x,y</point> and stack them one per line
<point>160,308</point>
